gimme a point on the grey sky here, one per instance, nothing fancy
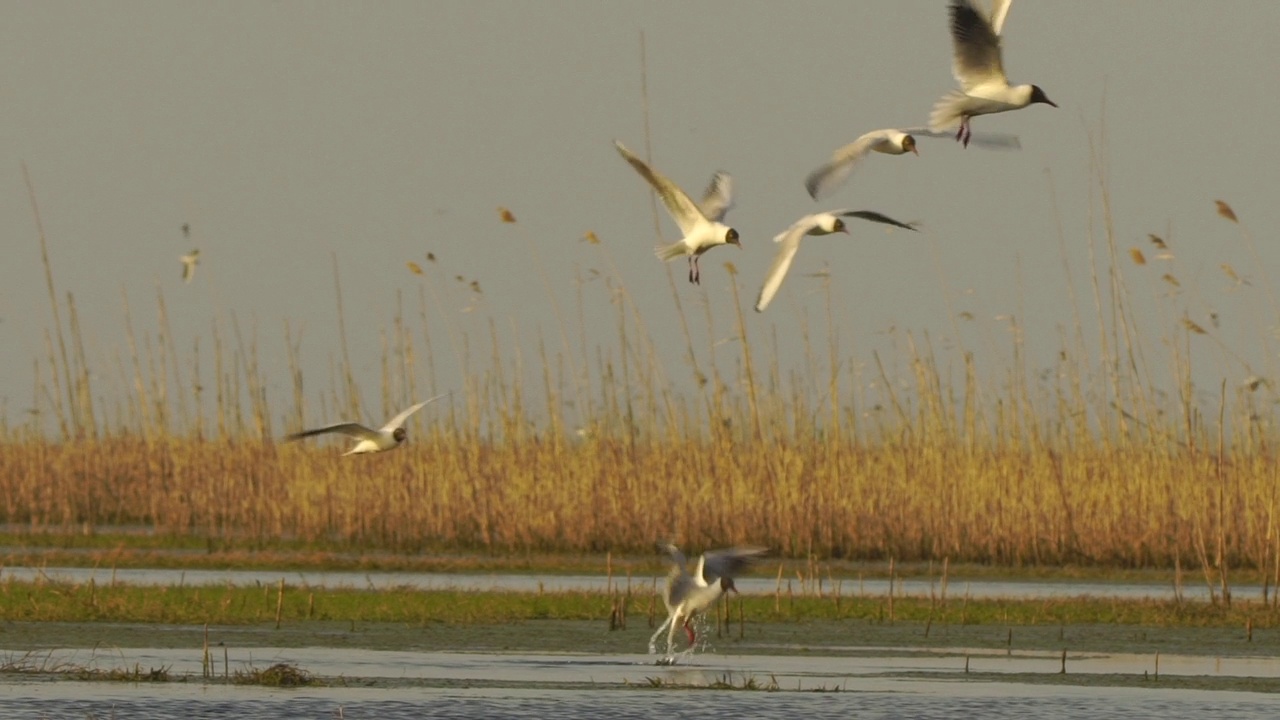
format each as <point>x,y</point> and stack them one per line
<point>284,132</point>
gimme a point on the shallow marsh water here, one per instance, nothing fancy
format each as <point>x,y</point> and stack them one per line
<point>579,669</point>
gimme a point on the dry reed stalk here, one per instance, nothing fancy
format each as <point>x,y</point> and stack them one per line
<point>690,355</point>
<point>351,399</point>
<point>53,305</point>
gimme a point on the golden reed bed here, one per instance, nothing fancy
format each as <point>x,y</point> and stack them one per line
<point>909,499</point>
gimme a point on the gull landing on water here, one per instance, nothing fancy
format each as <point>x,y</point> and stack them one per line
<point>700,223</point>
<point>687,595</point>
<point>979,68</point>
<point>824,223</point>
<point>890,141</point>
<point>367,439</point>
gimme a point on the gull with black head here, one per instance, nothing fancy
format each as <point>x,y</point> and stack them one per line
<point>978,66</point>
<point>823,223</point>
<point>686,595</point>
<point>700,223</point>
<point>890,141</point>
<point>368,440</point>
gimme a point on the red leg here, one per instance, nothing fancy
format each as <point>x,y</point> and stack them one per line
<point>689,630</point>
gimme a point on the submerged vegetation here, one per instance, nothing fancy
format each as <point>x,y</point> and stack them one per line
<point>32,663</point>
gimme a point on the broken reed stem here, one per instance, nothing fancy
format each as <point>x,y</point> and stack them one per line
<point>653,604</point>
<point>279,603</point>
<point>891,590</point>
<point>777,592</point>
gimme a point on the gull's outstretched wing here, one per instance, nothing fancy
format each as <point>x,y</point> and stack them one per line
<point>679,205</point>
<point>355,430</point>
<point>836,170</point>
<point>718,199</point>
<point>728,562</point>
<point>398,420</point>
<point>874,216</point>
<point>976,46</point>
<point>788,243</point>
<point>999,10</point>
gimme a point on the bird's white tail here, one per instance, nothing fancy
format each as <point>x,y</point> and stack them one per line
<point>672,251</point>
<point>947,111</point>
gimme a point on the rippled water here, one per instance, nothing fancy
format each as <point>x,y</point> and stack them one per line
<point>463,685</point>
<point>383,684</point>
<point>944,701</point>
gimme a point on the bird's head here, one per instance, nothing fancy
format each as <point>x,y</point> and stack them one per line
<point>399,434</point>
<point>909,144</point>
<point>731,237</point>
<point>726,584</point>
<point>839,226</point>
<point>1038,96</point>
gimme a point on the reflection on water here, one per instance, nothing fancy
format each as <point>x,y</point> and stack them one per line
<point>995,702</point>
<point>472,685</point>
<point>552,583</point>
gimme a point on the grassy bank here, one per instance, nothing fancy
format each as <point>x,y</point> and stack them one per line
<point>294,605</point>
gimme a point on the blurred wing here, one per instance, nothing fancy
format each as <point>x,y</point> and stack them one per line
<point>673,554</point>
<point>398,420</point>
<point>679,585</point>
<point>991,141</point>
<point>832,175</point>
<point>728,562</point>
<point>788,244</point>
<point>718,199</point>
<point>679,206</point>
<point>874,216</point>
<point>999,9</point>
<point>976,60</point>
<point>355,430</point>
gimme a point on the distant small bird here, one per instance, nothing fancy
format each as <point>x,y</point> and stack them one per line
<point>824,223</point>
<point>978,67</point>
<point>687,595</point>
<point>890,141</point>
<point>701,224</point>
<point>189,262</point>
<point>368,440</point>
<point>186,230</point>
